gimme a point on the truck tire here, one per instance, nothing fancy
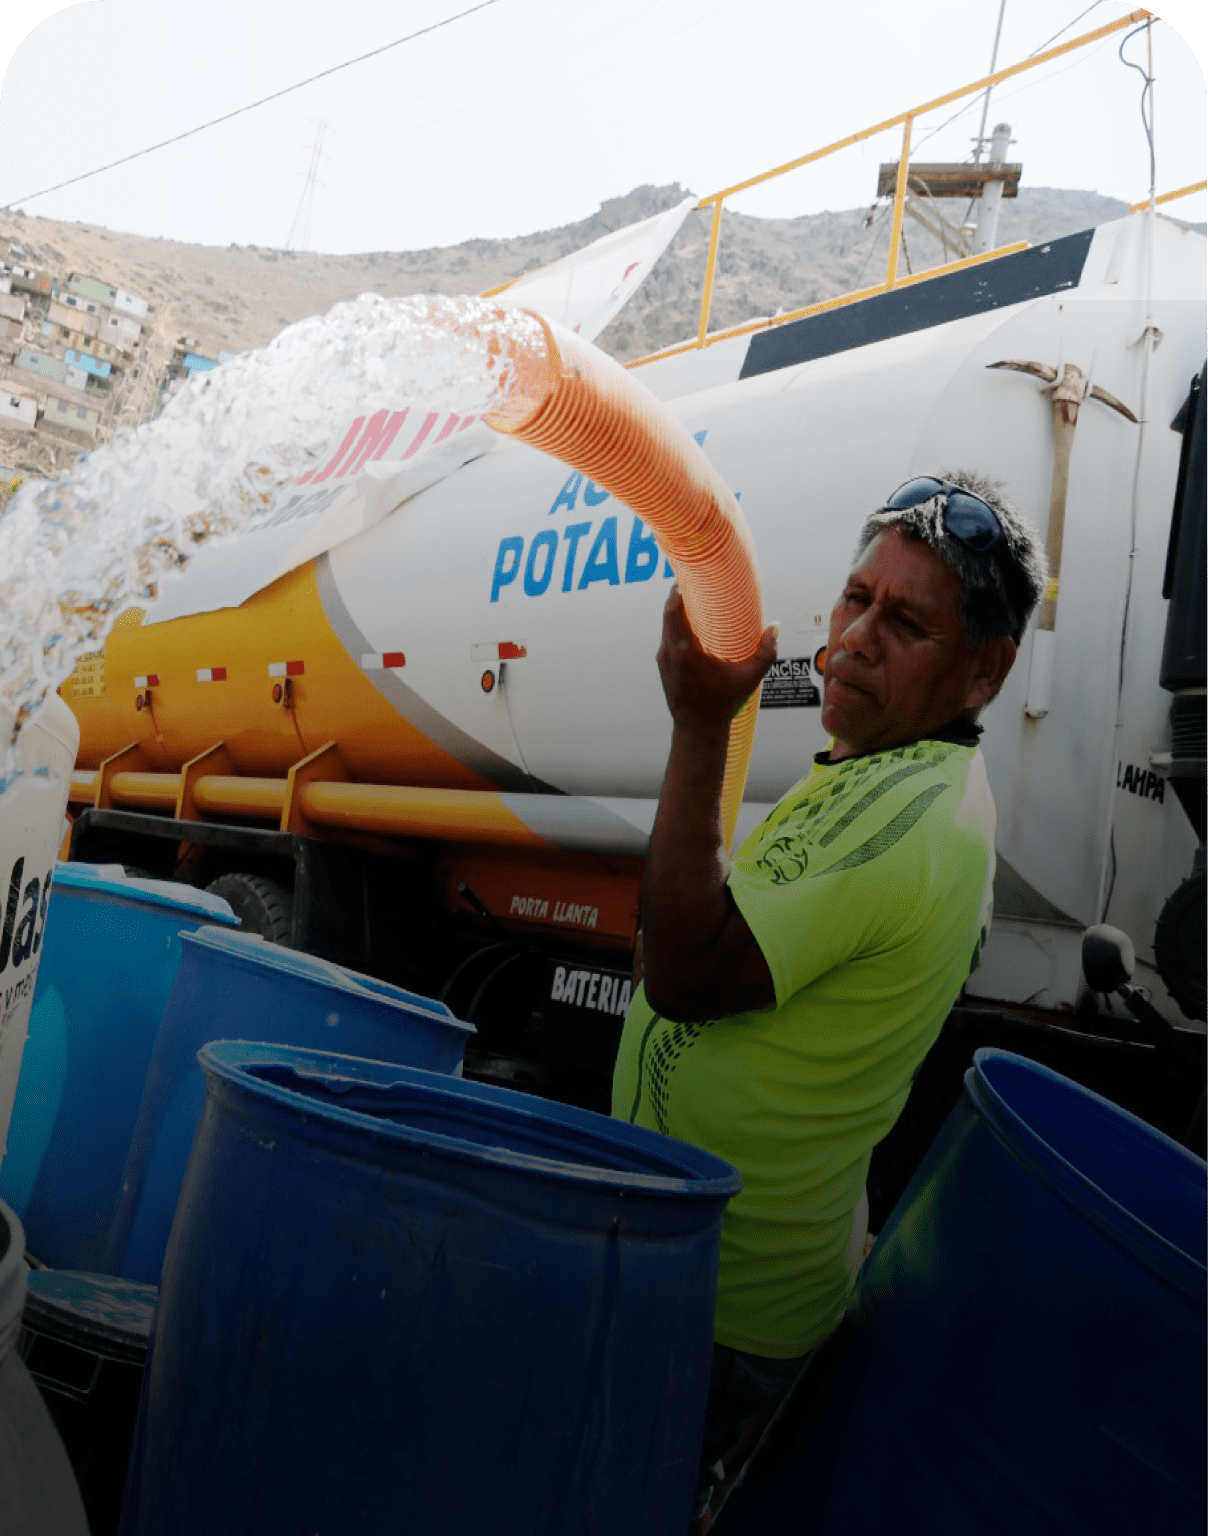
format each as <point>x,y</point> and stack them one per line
<point>261,905</point>
<point>1179,945</point>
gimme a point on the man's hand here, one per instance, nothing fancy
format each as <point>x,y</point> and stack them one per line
<point>704,693</point>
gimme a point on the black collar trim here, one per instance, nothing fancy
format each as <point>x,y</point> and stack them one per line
<point>960,732</point>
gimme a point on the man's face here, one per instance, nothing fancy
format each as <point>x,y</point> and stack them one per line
<point>898,665</point>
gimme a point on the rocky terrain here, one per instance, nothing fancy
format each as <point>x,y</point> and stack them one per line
<point>240,297</point>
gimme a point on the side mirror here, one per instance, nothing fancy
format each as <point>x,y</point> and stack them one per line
<point>1108,959</point>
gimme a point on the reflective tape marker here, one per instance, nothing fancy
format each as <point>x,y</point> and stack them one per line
<point>286,668</point>
<point>502,650</point>
<point>211,674</point>
<point>383,660</point>
<point>151,680</point>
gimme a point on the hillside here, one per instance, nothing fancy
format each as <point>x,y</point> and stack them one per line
<point>241,297</point>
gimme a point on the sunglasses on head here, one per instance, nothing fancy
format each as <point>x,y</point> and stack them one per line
<point>966,517</point>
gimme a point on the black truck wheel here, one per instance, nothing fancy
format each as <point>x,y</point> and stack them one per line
<point>1179,945</point>
<point>261,905</point>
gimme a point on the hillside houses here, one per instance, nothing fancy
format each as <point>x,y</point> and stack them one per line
<point>18,411</point>
<point>12,312</point>
<point>69,416</point>
<point>186,362</point>
<point>27,280</point>
<point>77,341</point>
<point>79,316</point>
<point>115,298</point>
<point>73,362</point>
<point>44,365</point>
<point>121,331</point>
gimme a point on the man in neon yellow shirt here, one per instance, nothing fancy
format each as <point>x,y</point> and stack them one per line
<point>790,994</point>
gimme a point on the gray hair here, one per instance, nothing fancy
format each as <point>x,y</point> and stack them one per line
<point>999,591</point>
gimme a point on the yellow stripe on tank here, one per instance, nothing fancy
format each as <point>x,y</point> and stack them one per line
<point>179,717</point>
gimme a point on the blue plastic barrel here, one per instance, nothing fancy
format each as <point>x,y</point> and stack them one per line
<point>394,1301</point>
<point>236,984</point>
<point>109,959</point>
<point>1025,1347</point>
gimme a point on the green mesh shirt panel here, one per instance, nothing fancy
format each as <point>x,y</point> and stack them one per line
<point>883,839</point>
<point>866,801</point>
<point>663,1053</point>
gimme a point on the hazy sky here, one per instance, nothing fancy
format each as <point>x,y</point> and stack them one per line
<point>528,113</point>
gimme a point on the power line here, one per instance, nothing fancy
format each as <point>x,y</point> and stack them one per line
<point>1065,29</point>
<point>969,105</point>
<point>981,132</point>
<point>276,95</point>
<point>1147,76</point>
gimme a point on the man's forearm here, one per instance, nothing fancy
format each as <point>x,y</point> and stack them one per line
<point>685,904</point>
<point>701,959</point>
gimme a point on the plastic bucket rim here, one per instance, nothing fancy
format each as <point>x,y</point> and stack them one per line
<point>1140,1129</point>
<point>1067,1181</point>
<point>116,1326</point>
<point>263,955</point>
<point>234,1074</point>
<point>67,881</point>
<point>437,1084</point>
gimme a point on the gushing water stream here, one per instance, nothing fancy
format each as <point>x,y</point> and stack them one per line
<point>76,551</point>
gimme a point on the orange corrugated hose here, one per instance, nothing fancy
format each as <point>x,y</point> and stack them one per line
<point>576,403</point>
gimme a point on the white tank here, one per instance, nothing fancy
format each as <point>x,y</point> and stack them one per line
<point>33,799</point>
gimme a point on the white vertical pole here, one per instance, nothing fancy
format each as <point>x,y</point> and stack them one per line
<point>991,194</point>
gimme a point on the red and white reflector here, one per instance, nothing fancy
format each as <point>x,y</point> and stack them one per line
<point>286,668</point>
<point>211,674</point>
<point>497,650</point>
<point>382,661</point>
<point>150,680</point>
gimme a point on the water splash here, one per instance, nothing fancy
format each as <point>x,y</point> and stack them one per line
<point>77,551</point>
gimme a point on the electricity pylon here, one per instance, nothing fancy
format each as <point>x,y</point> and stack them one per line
<point>301,224</point>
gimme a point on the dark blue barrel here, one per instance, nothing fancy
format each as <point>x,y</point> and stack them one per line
<point>395,1301</point>
<point>236,984</point>
<point>1025,1347</point>
<point>109,959</point>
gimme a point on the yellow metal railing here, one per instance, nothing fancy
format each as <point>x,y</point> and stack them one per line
<point>905,120</point>
<point>1169,197</point>
<point>836,303</point>
<point>706,338</point>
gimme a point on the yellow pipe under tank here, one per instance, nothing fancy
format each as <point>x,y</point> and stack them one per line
<point>457,815</point>
<point>221,794</point>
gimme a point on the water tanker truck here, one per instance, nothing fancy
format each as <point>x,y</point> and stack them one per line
<point>433,750</point>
